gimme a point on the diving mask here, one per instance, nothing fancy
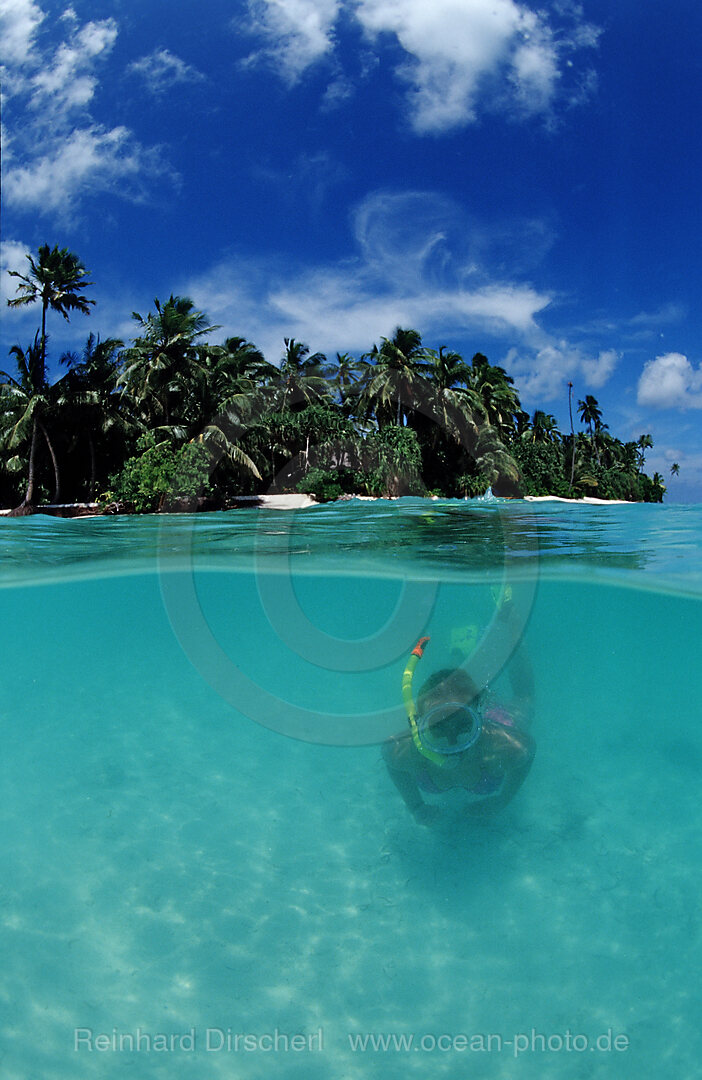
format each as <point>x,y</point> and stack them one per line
<point>449,728</point>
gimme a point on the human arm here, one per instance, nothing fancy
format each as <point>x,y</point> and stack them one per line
<point>521,675</point>
<point>397,755</point>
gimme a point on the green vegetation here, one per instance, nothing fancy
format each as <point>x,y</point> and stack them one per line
<point>159,477</point>
<point>171,421</point>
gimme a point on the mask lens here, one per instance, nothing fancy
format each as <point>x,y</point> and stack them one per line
<point>449,728</point>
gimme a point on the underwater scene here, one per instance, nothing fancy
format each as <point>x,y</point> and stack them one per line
<point>208,866</point>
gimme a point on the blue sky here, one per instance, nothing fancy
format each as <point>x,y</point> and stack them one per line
<point>518,179</point>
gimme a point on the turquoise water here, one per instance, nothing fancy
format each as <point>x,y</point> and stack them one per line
<point>199,832</point>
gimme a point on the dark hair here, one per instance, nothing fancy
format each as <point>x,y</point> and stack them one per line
<point>449,684</point>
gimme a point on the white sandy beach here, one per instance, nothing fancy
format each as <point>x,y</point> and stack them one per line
<point>588,500</point>
<point>276,502</point>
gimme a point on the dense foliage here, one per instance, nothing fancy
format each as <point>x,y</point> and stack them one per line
<point>171,421</point>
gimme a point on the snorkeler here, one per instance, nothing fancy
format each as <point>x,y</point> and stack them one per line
<point>457,739</point>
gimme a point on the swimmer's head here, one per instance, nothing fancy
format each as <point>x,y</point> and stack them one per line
<point>449,684</point>
<point>448,715</point>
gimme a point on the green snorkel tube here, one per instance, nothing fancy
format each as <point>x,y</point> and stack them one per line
<point>407,697</point>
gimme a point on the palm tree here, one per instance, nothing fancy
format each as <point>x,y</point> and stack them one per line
<point>500,401</point>
<point>675,469</point>
<point>399,367</point>
<point>657,481</point>
<point>302,375</point>
<point>244,360</point>
<point>544,427</point>
<point>448,369</point>
<point>453,403</point>
<point>89,390</point>
<point>583,477</point>
<point>644,443</point>
<point>27,400</point>
<point>492,459</point>
<point>233,383</point>
<point>609,447</point>
<point>164,359</point>
<point>347,375</point>
<point>572,434</point>
<point>234,377</point>
<point>627,456</point>
<point>55,280</point>
<point>591,414</point>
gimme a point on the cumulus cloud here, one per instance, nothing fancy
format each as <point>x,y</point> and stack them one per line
<point>534,67</point>
<point>597,370</point>
<point>54,150</point>
<point>68,81</point>
<point>543,374</point>
<point>297,32</point>
<point>670,382</point>
<point>162,69</point>
<point>460,56</point>
<point>91,158</point>
<point>19,20</point>
<point>13,256</point>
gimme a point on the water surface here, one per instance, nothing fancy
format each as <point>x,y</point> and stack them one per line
<point>173,862</point>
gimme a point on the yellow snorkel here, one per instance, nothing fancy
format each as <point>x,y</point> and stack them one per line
<point>417,651</point>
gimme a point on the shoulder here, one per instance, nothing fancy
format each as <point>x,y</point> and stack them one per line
<point>510,740</point>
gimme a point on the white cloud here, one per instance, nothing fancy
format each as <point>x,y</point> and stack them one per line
<point>653,320</point>
<point>162,70</point>
<point>88,159</point>
<point>335,305</point>
<point>13,256</point>
<point>543,375</point>
<point>341,307</point>
<point>19,20</point>
<point>534,70</point>
<point>299,32</point>
<point>54,150</point>
<point>450,46</point>
<point>670,382</point>
<point>419,275</point>
<point>339,90</point>
<point>597,370</point>
<point>400,232</point>
<point>68,81</point>
<point>460,56</point>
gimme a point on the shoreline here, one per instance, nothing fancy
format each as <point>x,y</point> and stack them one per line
<point>589,500</point>
<point>242,502</point>
<point>300,502</point>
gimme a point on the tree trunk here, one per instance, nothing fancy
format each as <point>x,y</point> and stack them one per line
<point>27,504</point>
<point>54,462</point>
<point>572,434</point>
<point>43,345</point>
<point>93,470</point>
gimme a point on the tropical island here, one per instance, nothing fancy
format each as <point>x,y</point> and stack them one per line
<point>169,421</point>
